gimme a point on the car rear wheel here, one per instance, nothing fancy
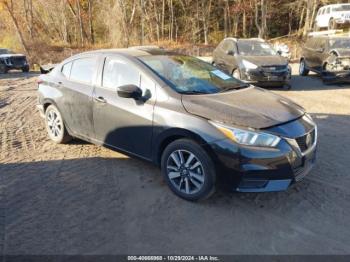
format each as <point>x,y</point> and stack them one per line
<point>188,170</point>
<point>303,71</point>
<point>55,126</point>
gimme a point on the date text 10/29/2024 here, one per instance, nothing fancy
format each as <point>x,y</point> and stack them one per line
<point>173,258</point>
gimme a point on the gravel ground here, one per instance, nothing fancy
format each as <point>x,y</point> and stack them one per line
<point>85,199</point>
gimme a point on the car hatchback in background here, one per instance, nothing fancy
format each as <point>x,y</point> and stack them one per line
<point>193,120</point>
<point>252,61</point>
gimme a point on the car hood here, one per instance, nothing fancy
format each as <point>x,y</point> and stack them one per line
<point>11,55</point>
<point>249,107</point>
<point>266,60</point>
<point>342,52</point>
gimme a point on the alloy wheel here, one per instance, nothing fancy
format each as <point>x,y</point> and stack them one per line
<point>185,172</point>
<point>54,123</point>
<point>301,67</point>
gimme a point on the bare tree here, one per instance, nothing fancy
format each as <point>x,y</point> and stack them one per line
<point>9,6</point>
<point>262,24</point>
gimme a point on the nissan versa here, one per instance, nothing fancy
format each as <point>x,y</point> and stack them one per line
<point>193,120</point>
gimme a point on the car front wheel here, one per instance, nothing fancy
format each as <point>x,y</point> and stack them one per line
<point>236,73</point>
<point>3,69</point>
<point>188,170</point>
<point>332,25</point>
<point>55,126</point>
<point>303,71</point>
<point>25,69</point>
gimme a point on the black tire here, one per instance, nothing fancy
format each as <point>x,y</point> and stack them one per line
<point>331,24</point>
<point>186,179</point>
<point>236,74</point>
<point>55,127</point>
<point>3,69</point>
<point>303,70</point>
<point>25,69</point>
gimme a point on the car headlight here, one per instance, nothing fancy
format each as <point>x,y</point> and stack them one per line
<point>249,65</point>
<point>247,137</point>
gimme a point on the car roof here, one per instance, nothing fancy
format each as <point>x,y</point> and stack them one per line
<point>330,37</point>
<point>244,39</point>
<point>138,51</point>
<point>333,5</point>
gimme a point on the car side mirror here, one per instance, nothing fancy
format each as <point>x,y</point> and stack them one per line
<point>279,52</point>
<point>129,91</point>
<point>230,52</point>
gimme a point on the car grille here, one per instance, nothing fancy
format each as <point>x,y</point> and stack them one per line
<point>301,172</point>
<point>306,141</point>
<point>274,68</point>
<point>17,61</point>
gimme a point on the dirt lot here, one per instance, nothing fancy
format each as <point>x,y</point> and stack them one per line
<point>84,199</point>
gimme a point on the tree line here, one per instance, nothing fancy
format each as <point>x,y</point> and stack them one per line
<point>121,23</point>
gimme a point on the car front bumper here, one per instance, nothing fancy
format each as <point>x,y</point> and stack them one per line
<point>336,77</point>
<point>264,77</point>
<point>253,169</point>
<point>342,21</point>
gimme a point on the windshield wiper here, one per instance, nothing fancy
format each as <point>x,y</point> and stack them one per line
<point>233,88</point>
<point>193,92</point>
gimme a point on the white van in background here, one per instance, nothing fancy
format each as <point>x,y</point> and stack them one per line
<point>332,16</point>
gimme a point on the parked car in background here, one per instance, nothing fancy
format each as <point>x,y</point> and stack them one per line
<point>10,60</point>
<point>283,50</point>
<point>328,56</point>
<point>185,115</point>
<point>252,61</point>
<point>332,16</point>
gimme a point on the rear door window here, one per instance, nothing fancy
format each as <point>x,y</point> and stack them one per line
<point>83,70</point>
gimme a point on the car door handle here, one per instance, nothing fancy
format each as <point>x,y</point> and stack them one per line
<point>100,99</point>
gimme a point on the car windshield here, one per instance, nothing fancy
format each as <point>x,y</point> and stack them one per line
<point>189,75</point>
<point>255,48</point>
<point>5,52</point>
<point>341,8</point>
<point>339,43</point>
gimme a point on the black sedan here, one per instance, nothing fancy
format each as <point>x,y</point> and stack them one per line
<point>252,61</point>
<point>193,120</point>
